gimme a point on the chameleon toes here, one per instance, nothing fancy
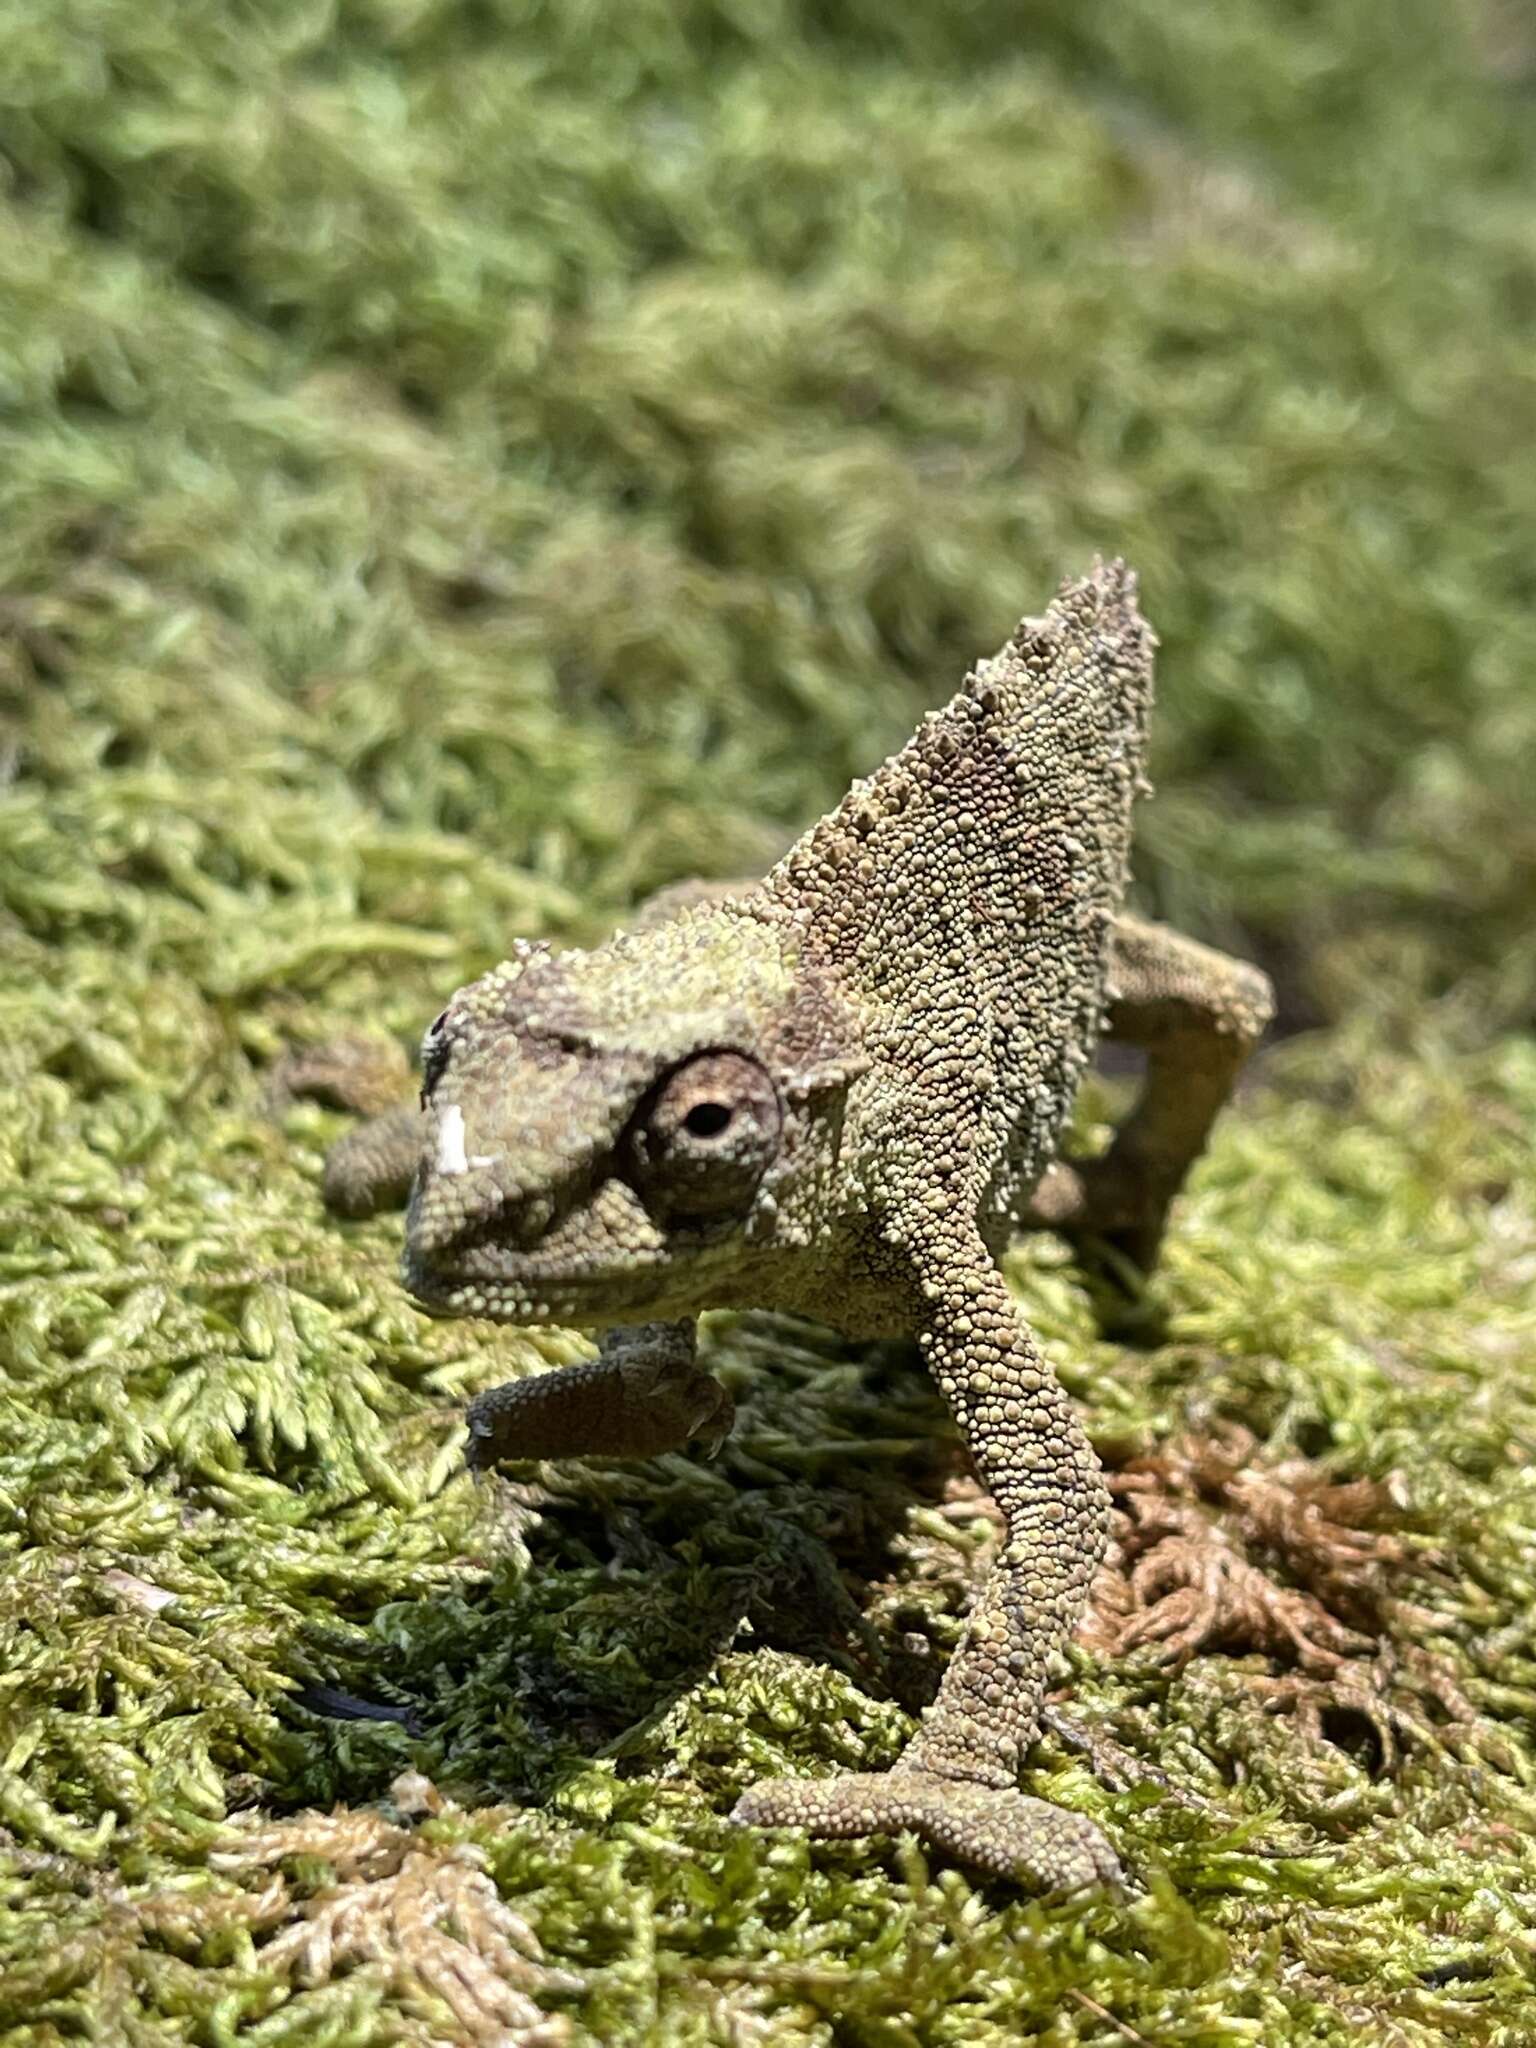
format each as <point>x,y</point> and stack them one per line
<point>995,1829</point>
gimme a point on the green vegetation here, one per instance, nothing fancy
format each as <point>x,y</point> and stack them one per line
<point>462,466</point>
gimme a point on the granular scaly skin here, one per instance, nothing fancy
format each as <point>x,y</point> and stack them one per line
<point>836,1093</point>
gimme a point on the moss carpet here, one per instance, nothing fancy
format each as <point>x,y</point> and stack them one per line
<point>464,465</point>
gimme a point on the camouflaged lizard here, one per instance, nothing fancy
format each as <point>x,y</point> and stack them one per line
<point>837,1093</point>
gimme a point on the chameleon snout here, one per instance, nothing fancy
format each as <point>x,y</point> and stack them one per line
<point>516,1216</point>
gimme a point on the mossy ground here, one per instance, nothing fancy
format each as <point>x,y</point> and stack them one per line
<point>463,466</point>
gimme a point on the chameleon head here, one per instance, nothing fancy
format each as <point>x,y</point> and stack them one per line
<point>612,1135</point>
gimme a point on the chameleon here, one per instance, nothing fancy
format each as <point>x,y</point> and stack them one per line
<point>837,1093</point>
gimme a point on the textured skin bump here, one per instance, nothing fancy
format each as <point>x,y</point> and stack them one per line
<point>836,1093</point>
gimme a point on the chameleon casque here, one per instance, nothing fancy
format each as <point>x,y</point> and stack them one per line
<point>836,1093</point>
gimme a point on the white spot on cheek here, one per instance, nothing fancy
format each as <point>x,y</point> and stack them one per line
<point>451,1156</point>
<point>450,1141</point>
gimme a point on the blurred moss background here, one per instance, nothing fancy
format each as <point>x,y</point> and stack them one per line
<point>600,430</point>
<point>464,463</point>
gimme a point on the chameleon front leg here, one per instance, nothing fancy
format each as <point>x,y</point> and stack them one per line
<point>1197,1014</point>
<point>956,1785</point>
<point>371,1168</point>
<point>643,1394</point>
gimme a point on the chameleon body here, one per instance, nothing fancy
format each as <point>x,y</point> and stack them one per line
<point>837,1093</point>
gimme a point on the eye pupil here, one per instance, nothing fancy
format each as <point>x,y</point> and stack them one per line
<point>706,1119</point>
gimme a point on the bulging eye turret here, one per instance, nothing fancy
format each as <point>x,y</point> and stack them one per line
<point>703,1140</point>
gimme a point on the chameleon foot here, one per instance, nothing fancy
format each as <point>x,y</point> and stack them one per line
<point>996,1829</point>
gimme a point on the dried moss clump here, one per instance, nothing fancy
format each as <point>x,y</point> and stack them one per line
<point>464,467</point>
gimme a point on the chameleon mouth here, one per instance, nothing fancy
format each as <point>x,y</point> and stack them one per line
<point>597,1257</point>
<point>530,1291</point>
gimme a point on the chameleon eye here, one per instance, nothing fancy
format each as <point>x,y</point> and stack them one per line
<point>703,1141</point>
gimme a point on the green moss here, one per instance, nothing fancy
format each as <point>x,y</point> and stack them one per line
<point>464,466</point>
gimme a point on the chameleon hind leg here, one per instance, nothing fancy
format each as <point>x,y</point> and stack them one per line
<point>1197,1014</point>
